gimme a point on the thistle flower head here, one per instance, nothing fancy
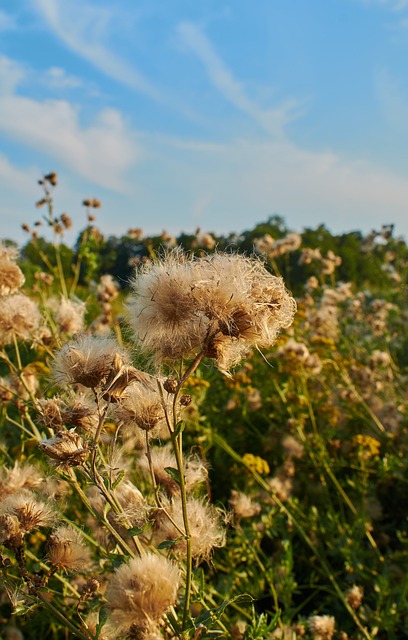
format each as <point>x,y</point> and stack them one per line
<point>87,360</point>
<point>30,512</point>
<point>206,527</point>
<point>66,549</point>
<point>20,477</point>
<point>11,277</point>
<point>19,318</point>
<point>195,470</point>
<point>65,449</point>
<point>225,304</point>
<point>243,505</point>
<point>162,314</point>
<point>322,627</point>
<point>78,411</point>
<point>69,314</point>
<point>141,406</point>
<point>141,591</point>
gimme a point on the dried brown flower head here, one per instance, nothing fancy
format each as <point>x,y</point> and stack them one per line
<point>65,449</point>
<point>206,524</point>
<point>30,512</point>
<point>11,277</point>
<point>322,627</point>
<point>87,360</point>
<point>141,591</point>
<point>19,318</point>
<point>67,550</point>
<point>224,304</point>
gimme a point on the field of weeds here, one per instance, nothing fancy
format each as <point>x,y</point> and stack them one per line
<point>203,437</point>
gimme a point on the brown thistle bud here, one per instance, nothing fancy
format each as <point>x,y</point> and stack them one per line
<point>96,204</point>
<point>91,586</point>
<point>87,202</point>
<point>66,449</point>
<point>52,178</point>
<point>185,400</point>
<point>40,203</point>
<point>170,385</point>
<point>91,218</point>
<point>66,220</point>
<point>25,227</point>
<point>59,228</point>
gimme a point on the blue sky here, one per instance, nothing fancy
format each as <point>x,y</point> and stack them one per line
<point>215,114</point>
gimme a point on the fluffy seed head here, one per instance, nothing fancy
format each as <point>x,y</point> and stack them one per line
<point>66,549</point>
<point>206,527</point>
<point>141,591</point>
<point>87,360</point>
<point>322,627</point>
<point>226,304</point>
<point>11,277</point>
<point>30,512</point>
<point>19,317</point>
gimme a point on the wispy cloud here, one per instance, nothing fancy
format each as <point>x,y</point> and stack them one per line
<point>272,120</point>
<point>101,152</point>
<point>84,28</point>
<point>58,78</point>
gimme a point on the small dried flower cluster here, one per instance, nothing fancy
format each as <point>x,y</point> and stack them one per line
<point>271,247</point>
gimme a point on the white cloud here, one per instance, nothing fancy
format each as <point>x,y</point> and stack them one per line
<point>272,120</point>
<point>232,187</point>
<point>101,152</point>
<point>58,78</point>
<point>84,29</point>
<point>11,74</point>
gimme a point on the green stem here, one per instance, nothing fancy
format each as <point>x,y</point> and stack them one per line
<point>58,614</point>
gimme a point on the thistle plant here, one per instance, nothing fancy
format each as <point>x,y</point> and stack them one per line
<point>201,461</point>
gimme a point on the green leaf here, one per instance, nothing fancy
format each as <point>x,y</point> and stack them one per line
<point>119,479</point>
<point>173,473</point>
<point>209,617</point>
<point>103,616</point>
<point>169,543</point>
<point>179,428</point>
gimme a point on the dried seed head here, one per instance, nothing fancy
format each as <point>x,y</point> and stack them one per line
<point>354,596</point>
<point>30,512</point>
<point>69,314</point>
<point>243,505</point>
<point>141,591</point>
<point>88,360</point>
<point>322,627</point>
<point>66,549</point>
<point>225,304</point>
<point>11,534</point>
<point>52,178</point>
<point>140,406</point>
<point>19,477</point>
<point>65,449</point>
<point>19,317</point>
<point>11,277</point>
<point>206,527</point>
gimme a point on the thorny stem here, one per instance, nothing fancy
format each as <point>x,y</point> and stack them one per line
<point>224,445</point>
